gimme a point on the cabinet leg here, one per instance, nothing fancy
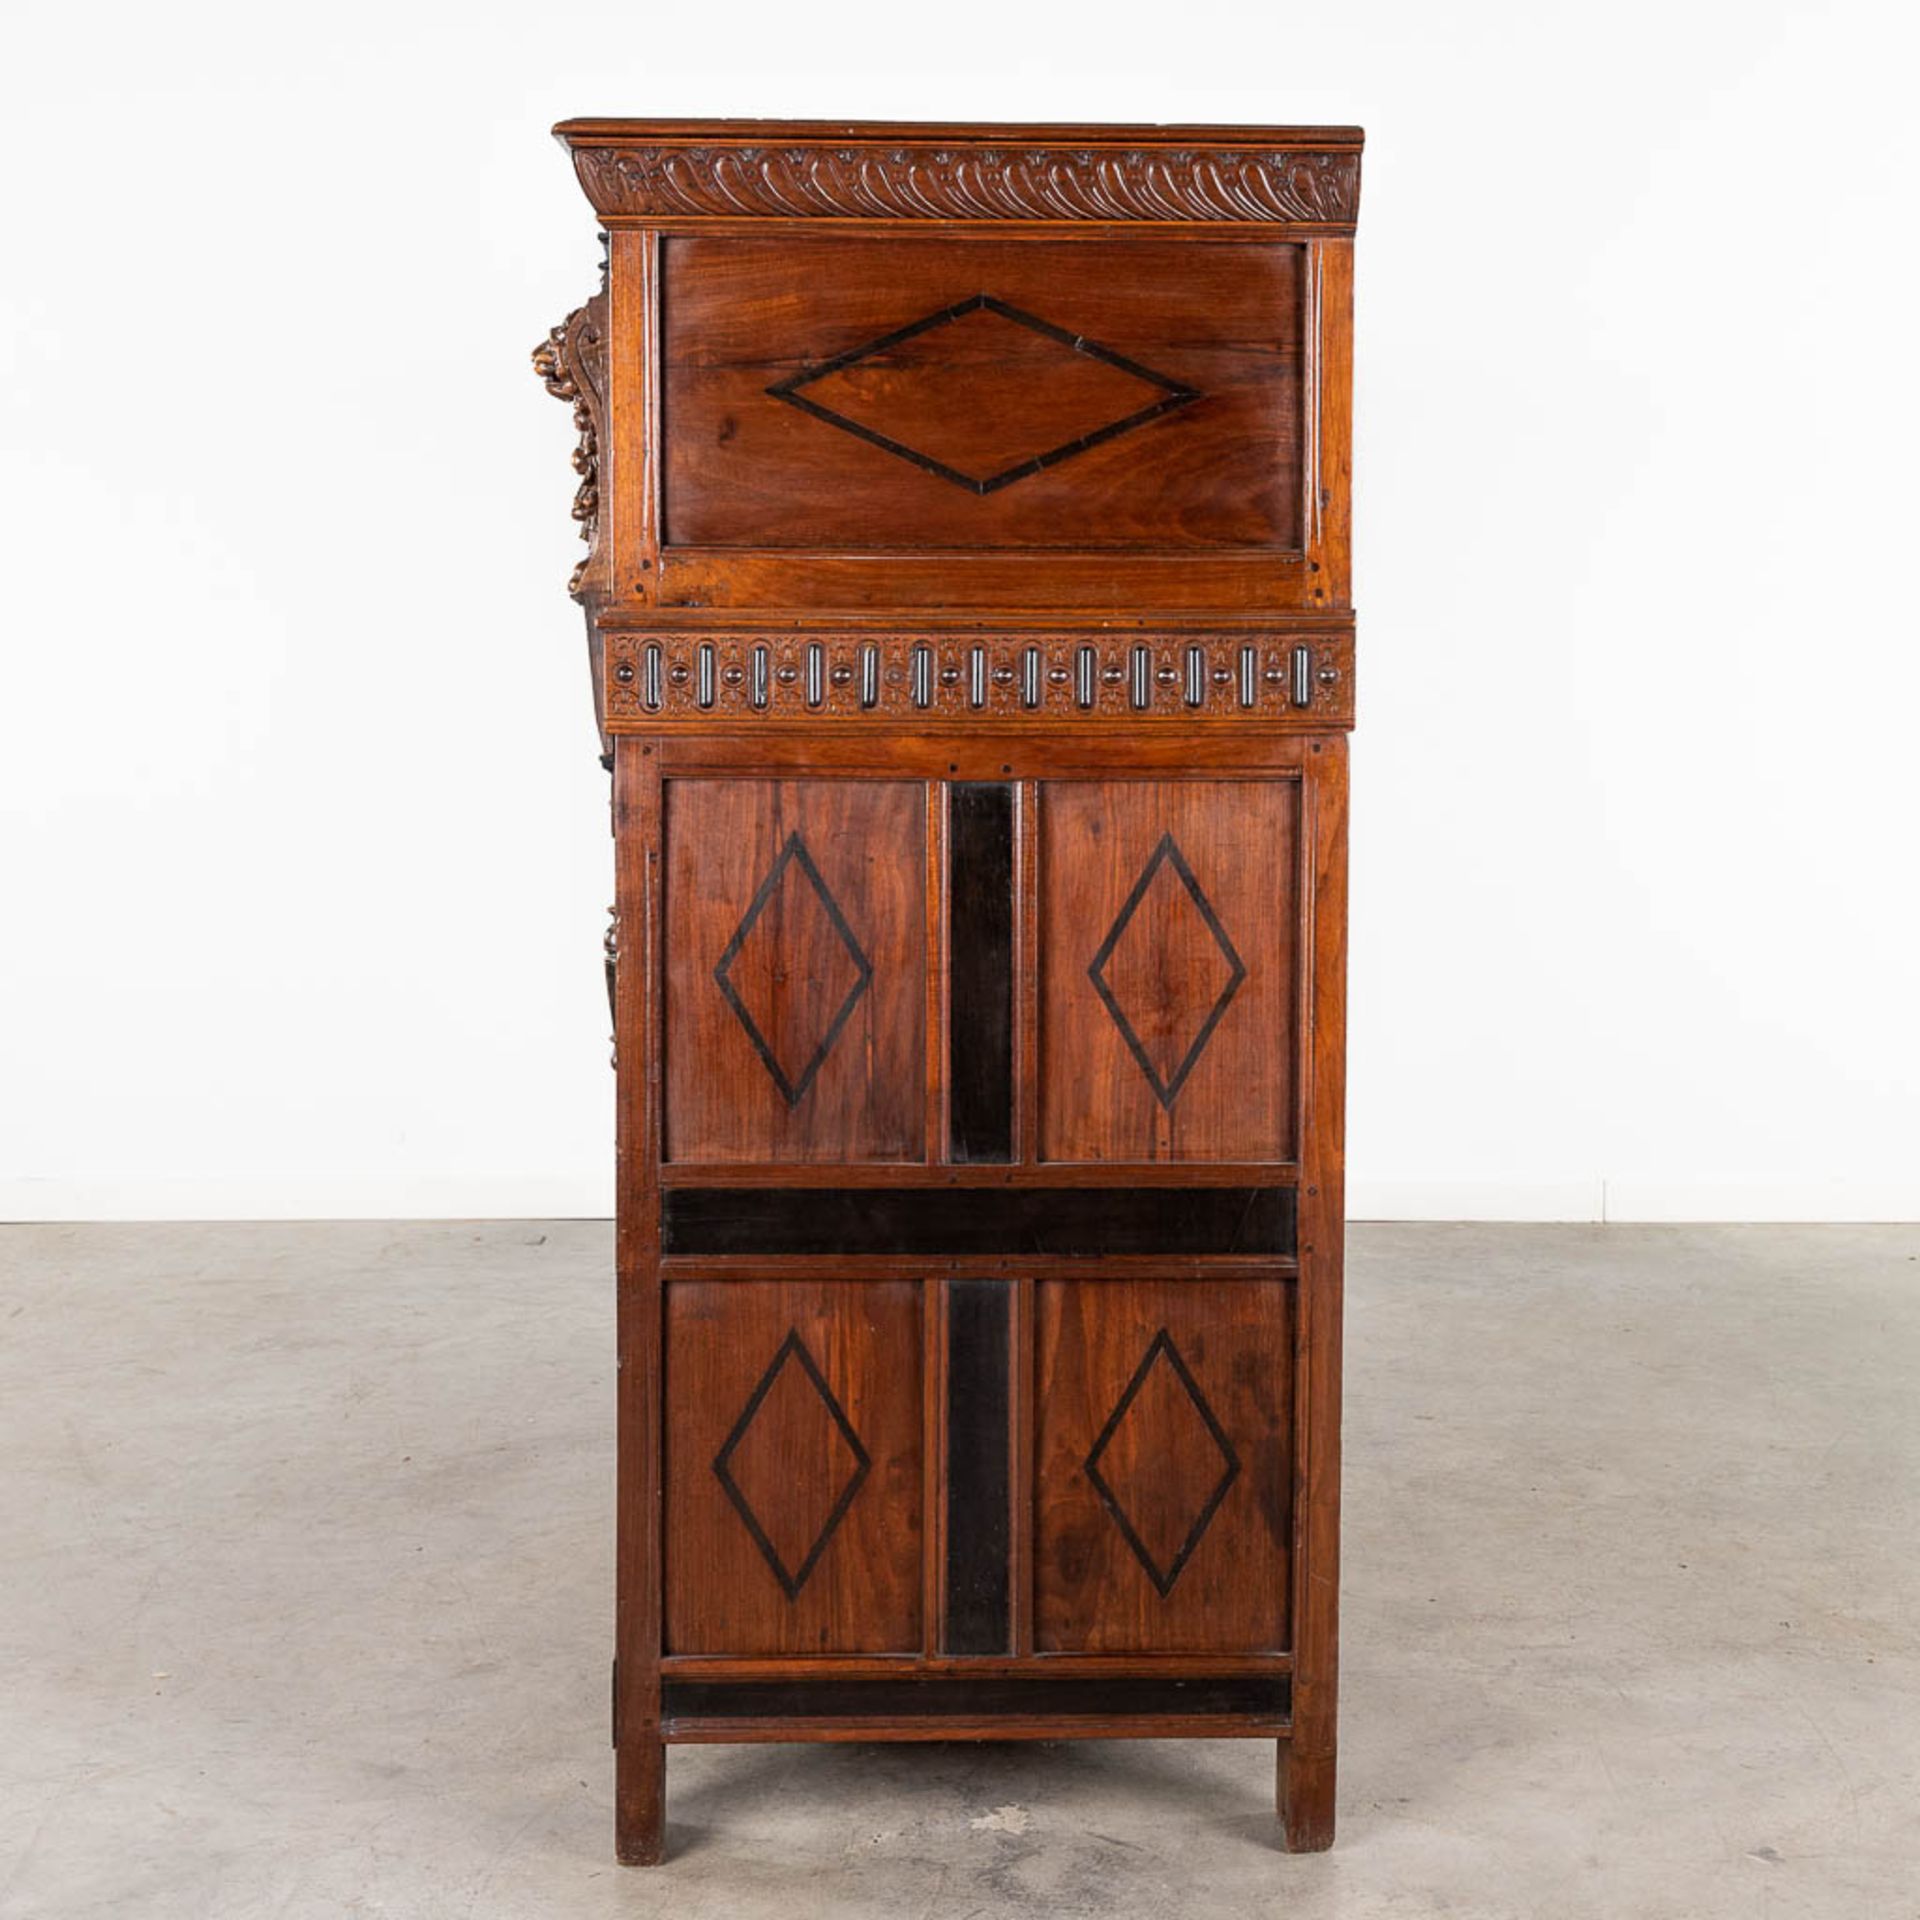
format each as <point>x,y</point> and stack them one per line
<point>1305,1799</point>
<point>640,1802</point>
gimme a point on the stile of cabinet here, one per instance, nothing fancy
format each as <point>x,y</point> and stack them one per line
<point>968,605</point>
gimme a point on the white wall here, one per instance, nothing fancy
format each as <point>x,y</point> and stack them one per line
<point>302,841</point>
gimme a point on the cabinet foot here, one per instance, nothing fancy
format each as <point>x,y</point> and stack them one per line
<point>640,1803</point>
<point>1304,1796</point>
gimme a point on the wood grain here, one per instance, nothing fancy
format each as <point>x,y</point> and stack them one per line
<point>791,1465</point>
<point>640,1758</point>
<point>828,880</point>
<point>1132,856</point>
<point>980,394</point>
<point>1161,1464</point>
<point>1306,1783</point>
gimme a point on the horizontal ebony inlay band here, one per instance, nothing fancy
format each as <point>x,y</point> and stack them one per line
<point>1061,1221</point>
<point>979,1487</point>
<point>1262,1695</point>
<point>980,973</point>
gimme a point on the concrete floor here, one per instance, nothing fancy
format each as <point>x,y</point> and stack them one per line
<point>305,1572</point>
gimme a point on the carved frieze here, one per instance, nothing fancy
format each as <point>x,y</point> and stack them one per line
<point>895,678</point>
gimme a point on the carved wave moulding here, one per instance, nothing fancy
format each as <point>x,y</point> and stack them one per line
<point>1034,677</point>
<point>894,182</point>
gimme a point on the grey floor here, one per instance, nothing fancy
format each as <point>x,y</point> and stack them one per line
<point>304,1603</point>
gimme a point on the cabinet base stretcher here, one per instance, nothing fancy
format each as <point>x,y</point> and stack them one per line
<point>1304,1782</point>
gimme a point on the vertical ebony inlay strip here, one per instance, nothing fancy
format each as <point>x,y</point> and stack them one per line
<point>979,1454</point>
<point>980,973</point>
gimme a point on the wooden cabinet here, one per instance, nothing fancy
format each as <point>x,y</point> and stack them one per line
<point>969,612</point>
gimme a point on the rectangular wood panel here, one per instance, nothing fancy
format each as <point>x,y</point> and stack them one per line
<point>793,1451</point>
<point>1162,1465</point>
<point>796,970</point>
<point>934,393</point>
<point>1168,984</point>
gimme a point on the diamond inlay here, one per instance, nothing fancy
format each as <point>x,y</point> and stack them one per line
<point>784,1461</point>
<point>1167,971</point>
<point>793,971</point>
<point>1162,1423</point>
<point>969,394</point>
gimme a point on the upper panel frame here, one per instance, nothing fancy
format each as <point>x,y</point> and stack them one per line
<point>651,180</point>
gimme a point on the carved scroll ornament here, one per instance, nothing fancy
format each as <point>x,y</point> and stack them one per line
<point>572,362</point>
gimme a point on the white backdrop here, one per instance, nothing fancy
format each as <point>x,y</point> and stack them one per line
<point>303,856</point>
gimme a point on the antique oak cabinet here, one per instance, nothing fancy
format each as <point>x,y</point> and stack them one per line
<point>968,602</point>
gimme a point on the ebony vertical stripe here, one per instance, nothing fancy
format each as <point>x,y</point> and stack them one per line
<point>980,972</point>
<point>979,1490</point>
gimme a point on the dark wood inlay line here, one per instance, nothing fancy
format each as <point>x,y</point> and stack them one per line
<point>1174,394</point>
<point>967,1697</point>
<point>980,973</point>
<point>794,1086</point>
<point>1062,1221</point>
<point>979,1519</point>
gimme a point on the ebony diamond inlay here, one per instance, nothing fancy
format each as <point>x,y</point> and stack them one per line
<point>803,1545</point>
<point>808,939</point>
<point>865,391</point>
<point>1161,1055</point>
<point>1181,1432</point>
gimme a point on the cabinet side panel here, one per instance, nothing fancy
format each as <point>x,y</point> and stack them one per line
<point>1168,969</point>
<point>796,970</point>
<point>923,393</point>
<point>1163,1464</point>
<point>794,1436</point>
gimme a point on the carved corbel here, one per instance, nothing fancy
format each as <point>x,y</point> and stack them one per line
<point>572,364</point>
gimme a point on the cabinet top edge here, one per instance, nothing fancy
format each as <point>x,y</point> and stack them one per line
<point>1305,179</point>
<point>599,131</point>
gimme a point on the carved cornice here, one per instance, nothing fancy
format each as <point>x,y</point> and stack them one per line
<point>973,182</point>
<point>572,362</point>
